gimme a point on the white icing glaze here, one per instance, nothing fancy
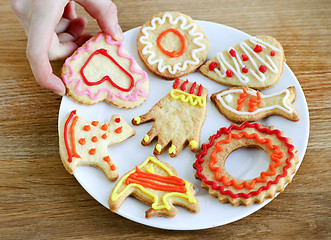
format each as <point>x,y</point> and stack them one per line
<point>172,69</point>
<point>286,107</point>
<point>228,98</point>
<point>238,63</point>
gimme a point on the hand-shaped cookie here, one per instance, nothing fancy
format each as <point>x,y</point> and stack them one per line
<point>178,117</point>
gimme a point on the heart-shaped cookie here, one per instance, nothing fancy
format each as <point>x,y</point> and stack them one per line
<point>101,70</point>
<point>256,62</point>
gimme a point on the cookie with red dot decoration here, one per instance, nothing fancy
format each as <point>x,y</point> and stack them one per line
<point>256,62</point>
<point>85,143</point>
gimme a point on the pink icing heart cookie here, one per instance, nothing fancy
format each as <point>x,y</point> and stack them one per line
<point>101,70</point>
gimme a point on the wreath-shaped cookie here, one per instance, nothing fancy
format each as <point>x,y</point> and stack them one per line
<point>210,164</point>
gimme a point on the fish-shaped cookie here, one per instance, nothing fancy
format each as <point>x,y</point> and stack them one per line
<point>85,143</point>
<point>256,62</point>
<point>155,183</point>
<point>239,104</point>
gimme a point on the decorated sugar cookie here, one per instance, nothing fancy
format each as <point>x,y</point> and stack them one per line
<point>157,184</point>
<point>85,143</point>
<point>171,45</point>
<point>179,117</point>
<point>211,160</point>
<point>102,70</point>
<point>256,62</point>
<point>239,104</point>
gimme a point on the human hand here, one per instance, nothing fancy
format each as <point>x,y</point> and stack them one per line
<point>54,32</point>
<point>179,117</point>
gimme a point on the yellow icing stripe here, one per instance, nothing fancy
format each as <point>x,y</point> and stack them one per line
<point>172,149</point>
<point>150,169</point>
<point>137,119</point>
<point>156,204</point>
<point>186,97</point>
<point>158,147</point>
<point>193,144</point>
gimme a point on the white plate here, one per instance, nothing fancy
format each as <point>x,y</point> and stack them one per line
<point>131,153</point>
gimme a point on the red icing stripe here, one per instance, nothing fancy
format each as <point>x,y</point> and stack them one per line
<point>183,87</point>
<point>192,87</point>
<point>66,135</point>
<point>200,90</point>
<point>214,185</point>
<point>176,83</point>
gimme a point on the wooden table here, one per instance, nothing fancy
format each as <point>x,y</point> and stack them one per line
<point>40,200</point>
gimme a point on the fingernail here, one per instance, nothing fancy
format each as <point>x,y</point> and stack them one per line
<point>59,90</point>
<point>119,34</point>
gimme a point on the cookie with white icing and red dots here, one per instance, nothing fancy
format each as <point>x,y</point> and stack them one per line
<point>85,143</point>
<point>256,62</point>
<point>171,45</point>
<point>102,70</point>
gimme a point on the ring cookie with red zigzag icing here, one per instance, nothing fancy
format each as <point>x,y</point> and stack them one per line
<point>102,70</point>
<point>240,104</point>
<point>178,118</point>
<point>171,45</point>
<point>85,143</point>
<point>157,184</point>
<point>211,160</point>
<point>256,62</point>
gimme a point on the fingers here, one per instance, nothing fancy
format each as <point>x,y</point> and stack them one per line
<point>105,12</point>
<point>70,11</point>
<point>38,47</point>
<point>149,136</point>
<point>147,117</point>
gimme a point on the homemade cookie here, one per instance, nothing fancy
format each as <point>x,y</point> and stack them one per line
<point>179,117</point>
<point>256,62</point>
<point>85,143</point>
<point>245,104</point>
<point>171,45</point>
<point>157,184</point>
<point>210,164</point>
<point>101,70</point>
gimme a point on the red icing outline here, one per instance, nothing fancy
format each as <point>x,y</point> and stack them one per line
<point>224,130</point>
<point>106,78</point>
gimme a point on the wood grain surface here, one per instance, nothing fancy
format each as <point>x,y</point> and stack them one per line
<point>40,200</point>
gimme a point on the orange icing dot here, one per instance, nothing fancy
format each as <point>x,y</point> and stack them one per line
<point>275,156</point>
<point>82,141</point>
<point>92,151</point>
<point>104,127</point>
<point>94,139</point>
<point>95,123</point>
<point>104,136</point>
<point>119,129</point>
<point>87,128</point>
